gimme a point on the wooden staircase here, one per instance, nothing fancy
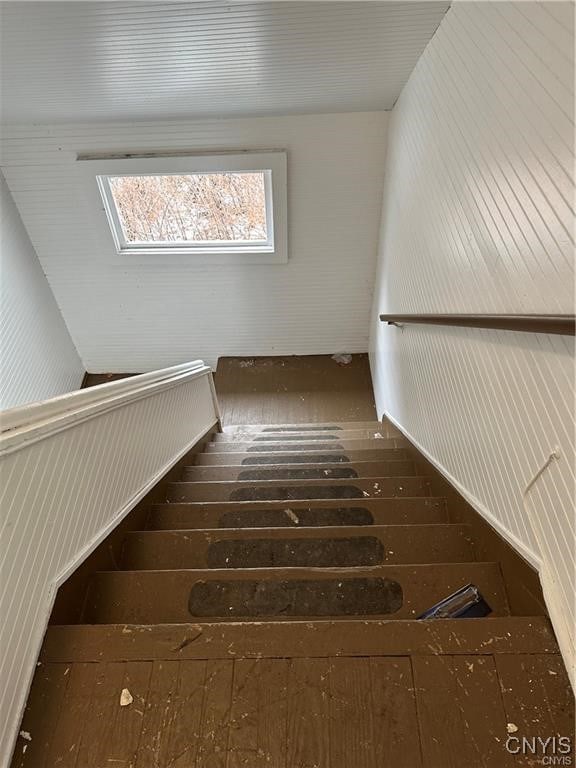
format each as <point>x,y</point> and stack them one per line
<point>267,616</point>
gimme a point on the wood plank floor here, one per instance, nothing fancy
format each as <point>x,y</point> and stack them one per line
<point>225,710</point>
<point>301,388</point>
<point>278,390</point>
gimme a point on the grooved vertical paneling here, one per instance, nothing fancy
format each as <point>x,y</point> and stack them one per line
<point>58,495</point>
<point>133,314</point>
<point>478,218</point>
<point>38,357</point>
<point>213,58</point>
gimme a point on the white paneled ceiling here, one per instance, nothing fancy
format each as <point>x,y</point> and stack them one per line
<point>79,61</point>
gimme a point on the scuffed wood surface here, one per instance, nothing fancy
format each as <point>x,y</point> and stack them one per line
<point>422,710</point>
<point>123,642</point>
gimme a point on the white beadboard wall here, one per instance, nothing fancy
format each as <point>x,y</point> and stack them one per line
<point>477,218</point>
<point>129,316</point>
<point>38,357</point>
<point>62,494</point>
<point>98,61</point>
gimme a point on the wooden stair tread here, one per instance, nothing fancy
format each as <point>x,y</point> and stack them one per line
<point>298,471</point>
<point>155,550</point>
<point>313,456</point>
<point>377,433</point>
<point>258,428</point>
<point>162,596</point>
<point>262,639</point>
<point>314,445</point>
<point>291,711</point>
<point>398,510</point>
<point>348,488</point>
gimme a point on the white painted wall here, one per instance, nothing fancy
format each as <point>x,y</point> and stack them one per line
<point>38,357</point>
<point>86,459</point>
<point>477,218</point>
<point>126,315</point>
<point>163,61</point>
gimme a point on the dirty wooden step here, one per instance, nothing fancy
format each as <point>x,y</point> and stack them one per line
<point>269,514</point>
<point>176,596</point>
<point>299,471</point>
<point>283,446</point>
<point>270,490</point>
<point>322,436</point>
<point>310,426</point>
<point>331,547</point>
<point>297,457</point>
<point>88,643</point>
<point>192,707</point>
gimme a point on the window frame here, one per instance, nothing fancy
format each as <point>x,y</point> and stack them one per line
<point>273,163</point>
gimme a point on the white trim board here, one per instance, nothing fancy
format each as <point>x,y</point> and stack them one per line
<point>108,229</point>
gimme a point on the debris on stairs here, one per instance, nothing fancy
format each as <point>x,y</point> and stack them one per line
<point>270,615</point>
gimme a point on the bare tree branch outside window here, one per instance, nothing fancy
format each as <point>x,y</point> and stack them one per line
<point>193,207</point>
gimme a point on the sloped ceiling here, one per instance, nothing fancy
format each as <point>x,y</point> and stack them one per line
<point>97,61</point>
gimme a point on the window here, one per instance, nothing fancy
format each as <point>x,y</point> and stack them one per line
<point>205,209</point>
<point>229,206</point>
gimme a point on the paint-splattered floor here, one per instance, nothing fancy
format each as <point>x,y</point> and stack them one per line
<point>310,388</point>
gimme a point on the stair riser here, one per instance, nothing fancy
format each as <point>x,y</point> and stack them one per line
<point>300,472</point>
<point>305,445</point>
<point>348,434</point>
<point>304,489</point>
<point>216,515</point>
<point>318,547</point>
<point>507,635</point>
<point>306,457</point>
<point>150,597</point>
<point>328,426</point>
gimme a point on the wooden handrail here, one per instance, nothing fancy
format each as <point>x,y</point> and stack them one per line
<point>563,325</point>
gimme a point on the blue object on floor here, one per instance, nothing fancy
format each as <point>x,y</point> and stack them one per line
<point>466,603</point>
